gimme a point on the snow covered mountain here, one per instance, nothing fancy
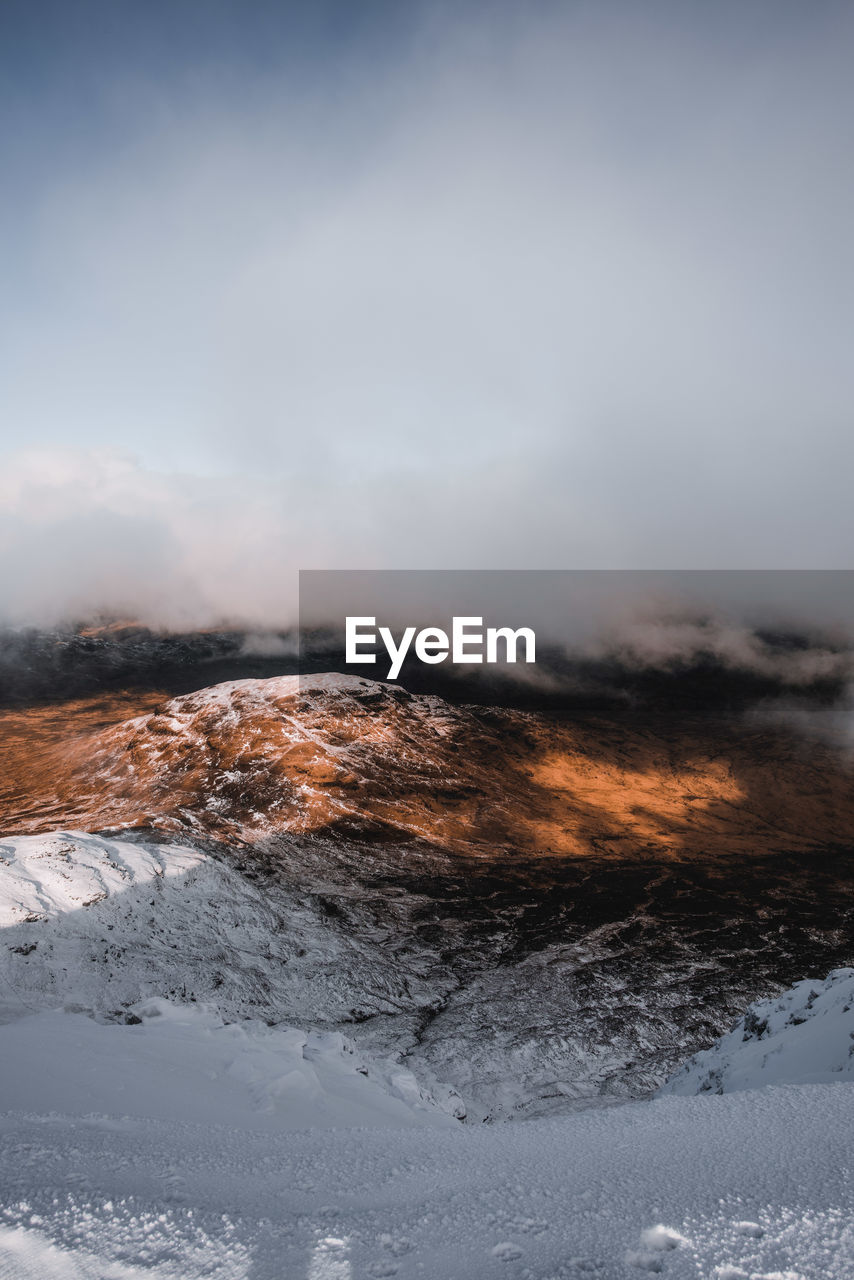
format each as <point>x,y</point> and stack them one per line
<point>94,925</point>
<point>527,914</point>
<point>804,1036</point>
<point>426,968</point>
<point>263,946</point>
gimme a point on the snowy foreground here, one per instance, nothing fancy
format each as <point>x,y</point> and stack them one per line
<point>177,1146</point>
<point>746,1184</point>
<point>150,1137</point>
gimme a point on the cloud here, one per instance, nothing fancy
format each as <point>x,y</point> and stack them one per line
<point>567,287</point>
<point>682,643</point>
<point>84,535</point>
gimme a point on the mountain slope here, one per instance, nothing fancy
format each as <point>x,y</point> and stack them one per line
<point>730,1188</point>
<point>804,1036</point>
<point>340,755</point>
<point>538,914</point>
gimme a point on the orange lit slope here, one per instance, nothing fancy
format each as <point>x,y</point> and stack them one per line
<point>338,754</point>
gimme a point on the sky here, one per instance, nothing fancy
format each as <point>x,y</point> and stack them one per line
<point>553,285</point>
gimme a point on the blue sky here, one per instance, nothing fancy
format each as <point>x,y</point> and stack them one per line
<point>541,285</point>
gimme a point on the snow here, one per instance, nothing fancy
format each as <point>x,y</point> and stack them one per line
<point>43,876</point>
<point>181,1146</point>
<point>181,1062</point>
<point>102,923</point>
<point>143,1135</point>
<point>804,1036</point>
<point>752,1185</point>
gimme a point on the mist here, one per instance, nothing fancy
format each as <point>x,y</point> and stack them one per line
<point>568,287</point>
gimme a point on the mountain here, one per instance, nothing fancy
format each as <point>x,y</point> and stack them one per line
<point>263,946</point>
<point>533,912</point>
<point>346,756</point>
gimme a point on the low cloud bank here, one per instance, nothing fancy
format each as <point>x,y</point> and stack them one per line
<point>89,535</point>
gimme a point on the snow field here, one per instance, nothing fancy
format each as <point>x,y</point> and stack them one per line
<point>744,1185</point>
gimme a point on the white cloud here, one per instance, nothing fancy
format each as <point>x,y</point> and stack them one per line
<point>552,290</point>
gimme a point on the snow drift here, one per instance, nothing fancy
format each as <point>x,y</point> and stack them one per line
<point>177,1062</point>
<point>805,1036</point>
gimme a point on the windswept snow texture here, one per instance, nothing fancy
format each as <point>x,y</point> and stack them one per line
<point>49,875</point>
<point>713,1188</point>
<point>806,1036</point>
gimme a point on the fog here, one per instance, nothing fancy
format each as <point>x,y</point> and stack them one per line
<point>549,287</point>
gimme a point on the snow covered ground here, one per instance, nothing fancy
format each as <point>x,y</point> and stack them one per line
<point>176,1139</point>
<point>101,923</point>
<point>805,1036</point>
<point>742,1185</point>
<point>181,1062</point>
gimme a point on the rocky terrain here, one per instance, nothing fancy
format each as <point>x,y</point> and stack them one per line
<point>346,756</point>
<point>533,911</point>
